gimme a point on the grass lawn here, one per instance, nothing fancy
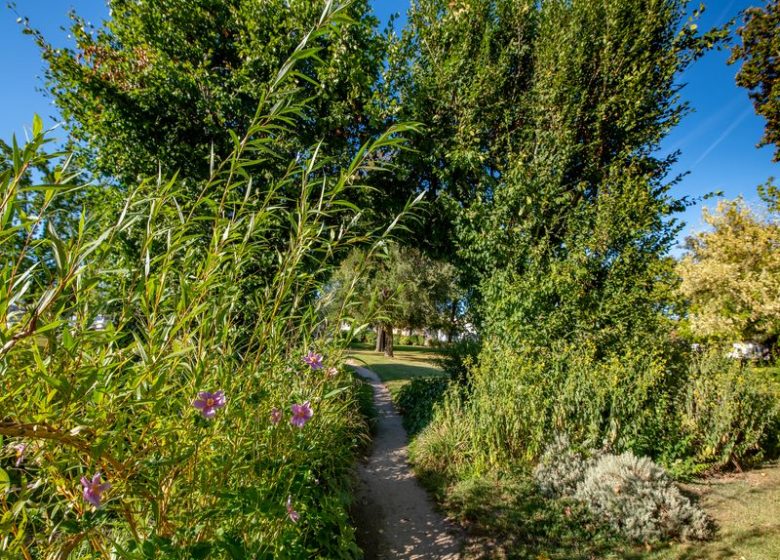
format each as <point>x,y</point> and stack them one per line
<point>409,362</point>
<point>507,519</point>
<point>746,508</point>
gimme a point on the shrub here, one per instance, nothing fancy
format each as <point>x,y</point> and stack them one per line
<point>650,399</point>
<point>441,452</point>
<point>365,400</point>
<point>408,341</point>
<point>417,400</point>
<point>640,500</point>
<point>561,469</point>
<point>729,410</point>
<point>456,359</point>
<point>203,403</point>
<point>520,400</point>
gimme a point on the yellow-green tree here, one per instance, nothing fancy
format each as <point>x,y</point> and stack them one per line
<point>731,274</point>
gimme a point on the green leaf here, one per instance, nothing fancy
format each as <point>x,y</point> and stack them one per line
<point>37,128</point>
<point>5,481</point>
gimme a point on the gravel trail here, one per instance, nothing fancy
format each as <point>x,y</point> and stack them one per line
<point>395,517</point>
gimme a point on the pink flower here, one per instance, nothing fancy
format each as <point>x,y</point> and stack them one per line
<point>313,360</point>
<point>332,372</point>
<point>93,489</point>
<point>301,413</point>
<point>21,449</point>
<point>208,403</point>
<point>276,416</point>
<point>291,513</point>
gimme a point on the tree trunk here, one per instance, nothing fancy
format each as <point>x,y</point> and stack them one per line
<point>380,339</point>
<point>388,340</point>
<point>454,315</point>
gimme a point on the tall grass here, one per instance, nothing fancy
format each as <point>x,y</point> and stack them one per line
<point>114,319</point>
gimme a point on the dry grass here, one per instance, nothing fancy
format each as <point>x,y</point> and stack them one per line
<point>746,508</point>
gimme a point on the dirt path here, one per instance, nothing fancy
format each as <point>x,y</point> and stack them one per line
<point>395,516</point>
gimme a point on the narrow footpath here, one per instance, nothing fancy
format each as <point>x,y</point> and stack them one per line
<point>395,517</point>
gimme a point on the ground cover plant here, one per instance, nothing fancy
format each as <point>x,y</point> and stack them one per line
<point>152,406</point>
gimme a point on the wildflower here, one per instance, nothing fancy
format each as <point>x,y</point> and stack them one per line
<point>276,416</point>
<point>291,513</point>
<point>208,403</point>
<point>313,360</point>
<point>21,449</point>
<point>301,413</point>
<point>332,372</point>
<point>93,489</point>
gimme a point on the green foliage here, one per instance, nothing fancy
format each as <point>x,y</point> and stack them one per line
<point>648,400</point>
<point>365,400</point>
<point>520,400</point>
<point>165,82</point>
<point>397,288</point>
<point>457,357</point>
<point>511,519</point>
<point>760,69</point>
<point>639,499</point>
<point>417,400</point>
<point>167,274</point>
<point>731,411</point>
<point>540,153</point>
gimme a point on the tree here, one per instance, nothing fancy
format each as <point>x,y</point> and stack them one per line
<point>543,123</point>
<point>760,71</point>
<point>398,288</point>
<point>731,274</point>
<point>167,82</point>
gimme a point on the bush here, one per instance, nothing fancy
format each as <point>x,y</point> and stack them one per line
<point>729,411</point>
<point>417,400</point>
<point>640,500</point>
<point>193,401</point>
<point>561,469</point>
<point>520,400</point>
<point>457,357</point>
<point>369,338</point>
<point>651,400</point>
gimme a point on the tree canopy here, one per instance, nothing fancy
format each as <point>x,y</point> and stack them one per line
<point>166,82</point>
<point>731,273</point>
<point>760,70</point>
<point>544,121</point>
<point>399,287</point>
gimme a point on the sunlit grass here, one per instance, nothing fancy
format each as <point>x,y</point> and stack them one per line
<point>746,508</point>
<point>409,362</point>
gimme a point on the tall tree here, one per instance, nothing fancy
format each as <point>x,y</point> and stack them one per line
<point>166,82</point>
<point>545,119</point>
<point>731,274</point>
<point>760,71</point>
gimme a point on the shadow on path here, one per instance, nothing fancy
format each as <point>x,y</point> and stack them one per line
<point>395,517</point>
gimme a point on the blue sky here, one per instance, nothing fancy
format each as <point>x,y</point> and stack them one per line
<point>717,141</point>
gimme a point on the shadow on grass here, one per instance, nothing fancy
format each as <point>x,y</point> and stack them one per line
<point>509,519</point>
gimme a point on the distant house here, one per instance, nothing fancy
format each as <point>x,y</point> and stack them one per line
<point>748,351</point>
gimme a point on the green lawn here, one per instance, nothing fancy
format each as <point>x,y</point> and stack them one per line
<point>746,508</point>
<point>409,362</point>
